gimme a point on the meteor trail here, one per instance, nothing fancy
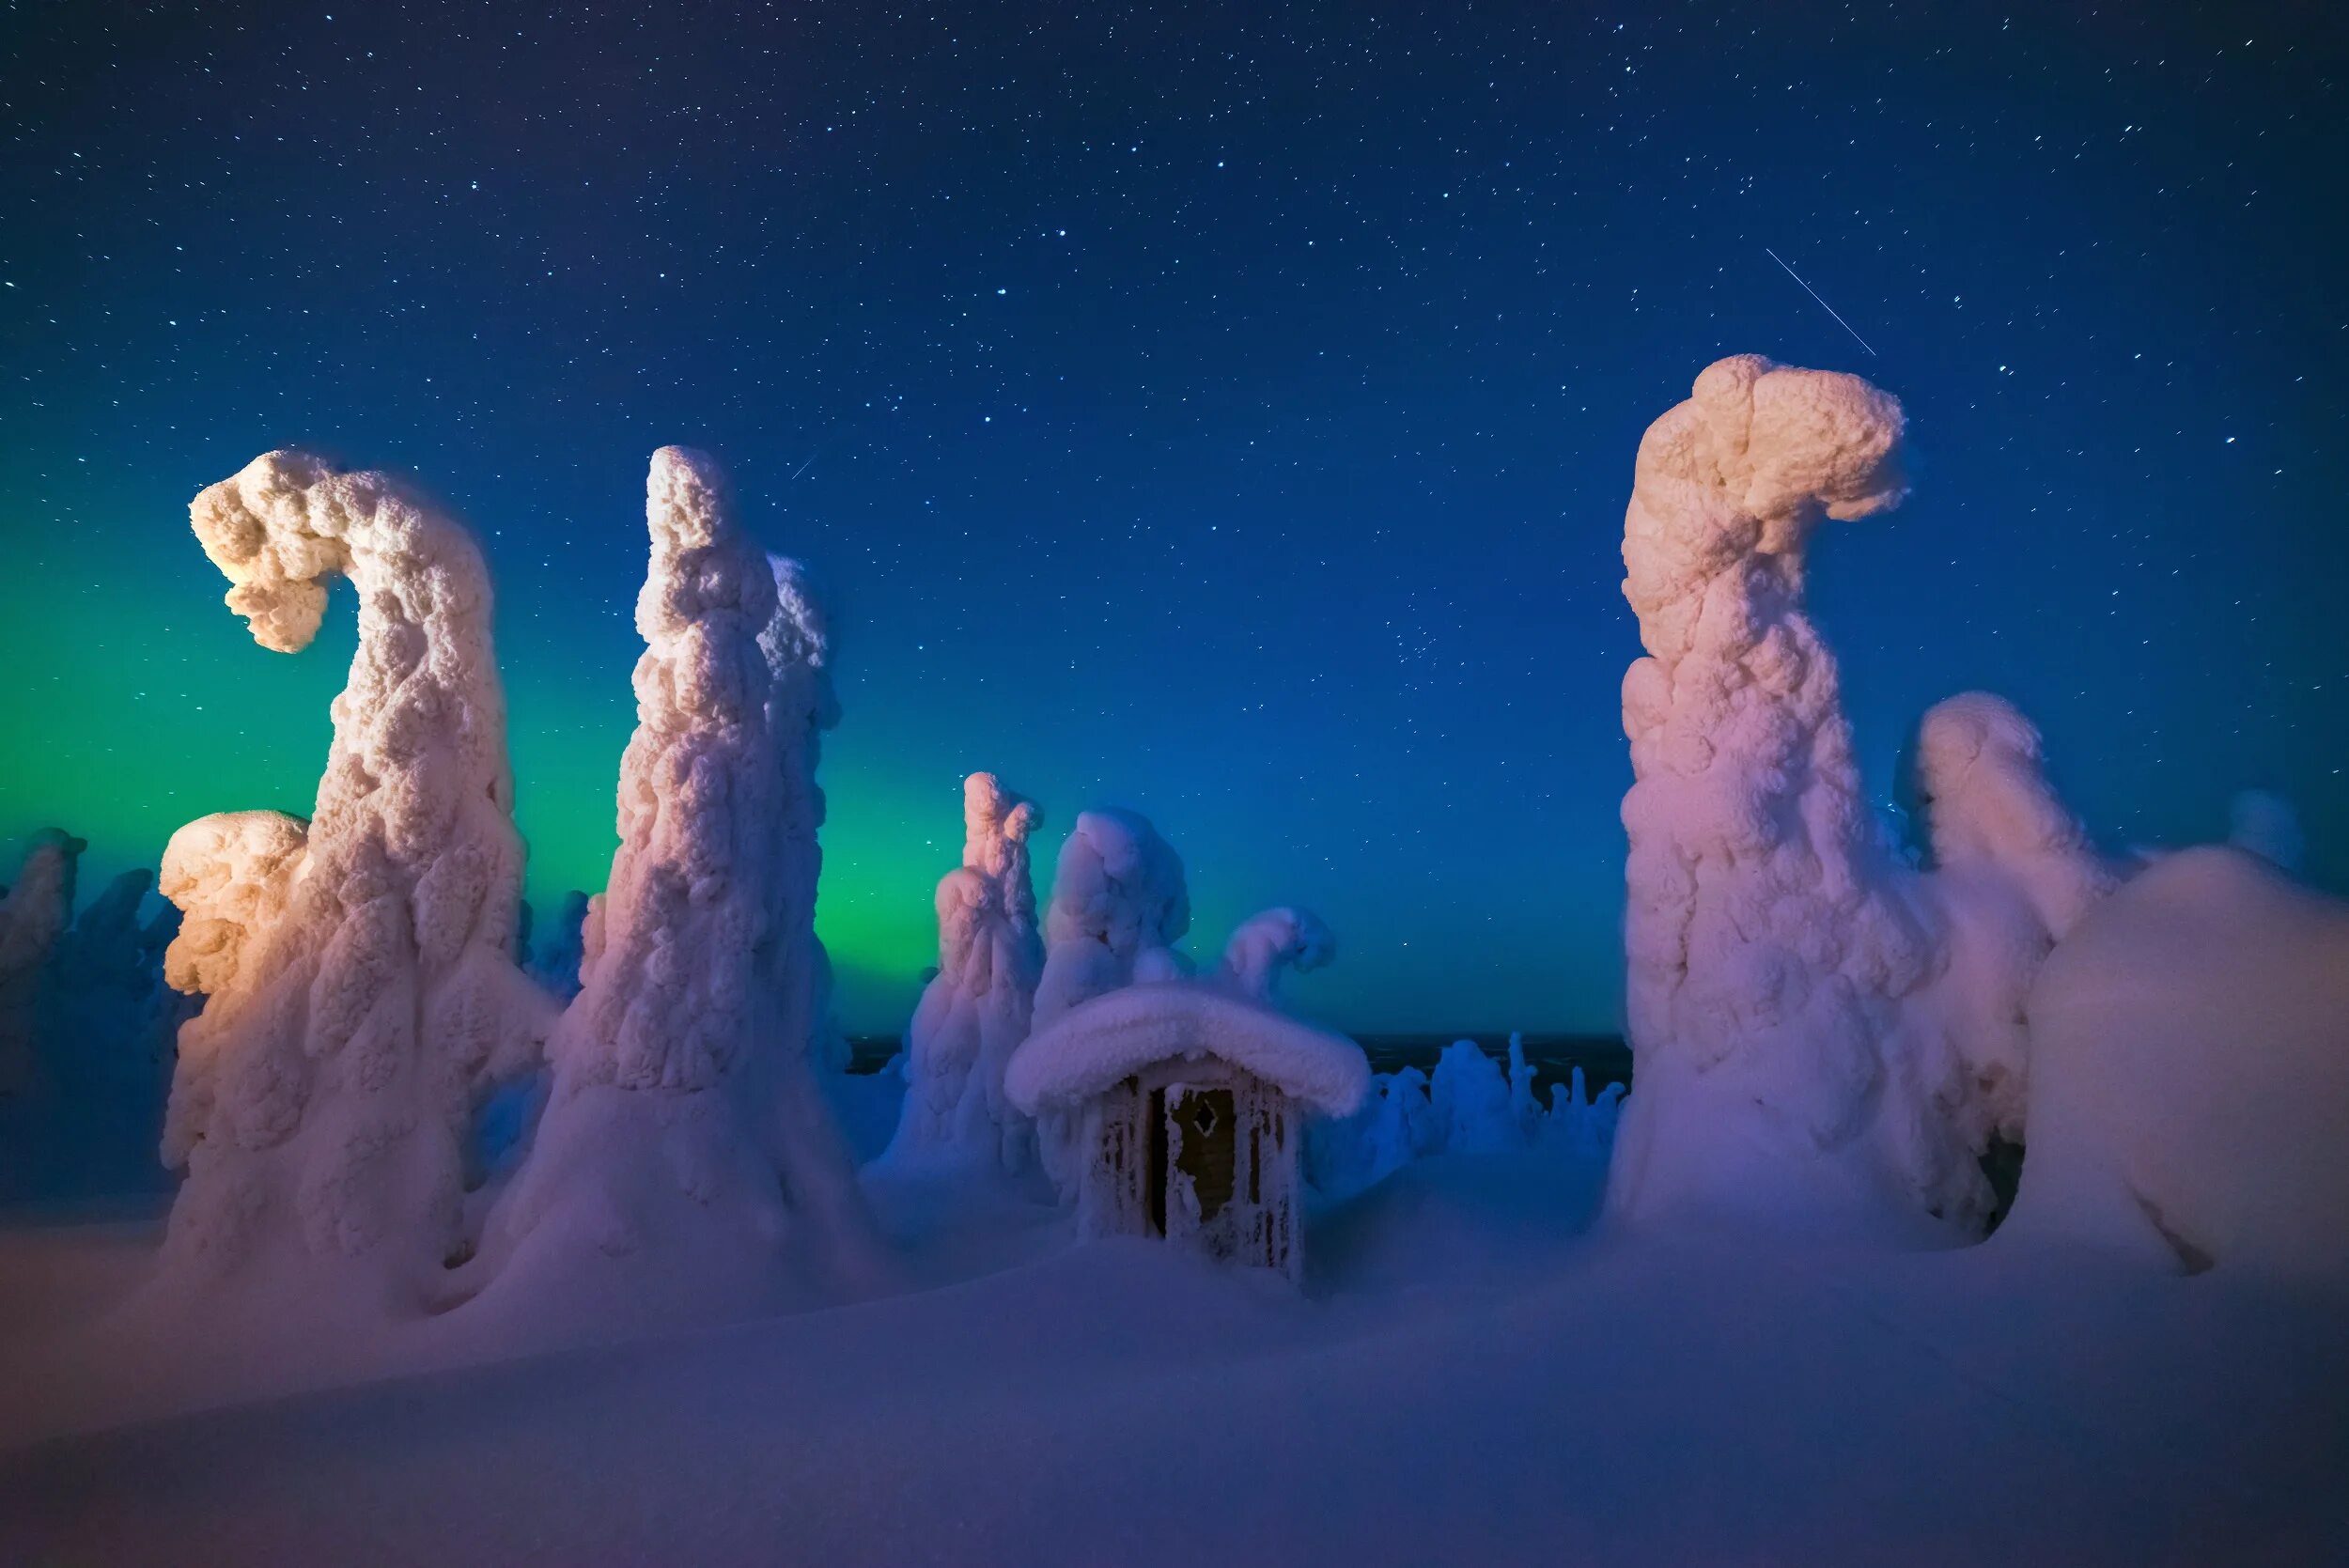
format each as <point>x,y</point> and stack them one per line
<point>1822,304</point>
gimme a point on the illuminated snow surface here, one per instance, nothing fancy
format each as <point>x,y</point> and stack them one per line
<point>1469,1376</point>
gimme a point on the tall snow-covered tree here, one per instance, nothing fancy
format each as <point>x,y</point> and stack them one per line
<point>1808,1011</point>
<point>976,1009</point>
<point>686,1131</point>
<point>359,972</point>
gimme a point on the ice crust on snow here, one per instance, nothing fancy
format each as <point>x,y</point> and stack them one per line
<point>1117,1034</point>
<point>976,1009</point>
<point>1803,1048</point>
<point>685,1122</point>
<point>361,990</point>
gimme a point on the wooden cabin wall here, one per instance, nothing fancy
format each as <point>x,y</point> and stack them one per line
<point>1114,1197</point>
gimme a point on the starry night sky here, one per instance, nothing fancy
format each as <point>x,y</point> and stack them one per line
<point>1225,410</point>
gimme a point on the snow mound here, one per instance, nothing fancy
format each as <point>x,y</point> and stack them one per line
<point>1113,1036</point>
<point>2189,1092</point>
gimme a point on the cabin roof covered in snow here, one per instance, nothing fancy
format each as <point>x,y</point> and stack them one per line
<point>1113,1036</point>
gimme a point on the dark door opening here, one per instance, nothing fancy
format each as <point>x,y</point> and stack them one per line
<point>1156,1165</point>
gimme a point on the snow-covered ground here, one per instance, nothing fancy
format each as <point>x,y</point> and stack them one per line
<point>624,1269</point>
<point>1470,1375</point>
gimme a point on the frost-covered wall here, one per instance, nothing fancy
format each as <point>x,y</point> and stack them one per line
<point>1798,999</point>
<point>684,1129</point>
<point>977,1010</point>
<point>361,990</point>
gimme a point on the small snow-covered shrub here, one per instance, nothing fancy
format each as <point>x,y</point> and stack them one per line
<point>1469,1105</point>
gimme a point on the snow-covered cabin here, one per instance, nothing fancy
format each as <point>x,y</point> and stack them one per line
<point>1190,1101</point>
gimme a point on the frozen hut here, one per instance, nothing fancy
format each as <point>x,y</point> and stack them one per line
<point>1191,1102</point>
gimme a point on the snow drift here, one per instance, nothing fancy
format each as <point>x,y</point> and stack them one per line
<point>2189,1089</point>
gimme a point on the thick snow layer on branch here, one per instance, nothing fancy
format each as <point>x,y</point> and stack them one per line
<point>360,980</point>
<point>1808,1012</point>
<point>1264,945</point>
<point>1113,1036</point>
<point>686,1128</point>
<point>977,1010</point>
<point>1119,905</point>
<point>2189,1091</point>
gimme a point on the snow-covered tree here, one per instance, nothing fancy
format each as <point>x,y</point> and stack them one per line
<point>1262,947</point>
<point>686,1131</point>
<point>360,980</point>
<point>1119,905</point>
<point>801,705</point>
<point>34,913</point>
<point>2013,870</point>
<point>1766,953</point>
<point>976,1009</point>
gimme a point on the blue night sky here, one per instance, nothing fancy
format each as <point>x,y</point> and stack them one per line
<point>1224,410</point>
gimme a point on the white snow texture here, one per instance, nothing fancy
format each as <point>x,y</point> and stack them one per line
<point>1808,1014</point>
<point>359,973</point>
<point>684,1129</point>
<point>2189,1091</point>
<point>977,1010</point>
<point>1120,1033</point>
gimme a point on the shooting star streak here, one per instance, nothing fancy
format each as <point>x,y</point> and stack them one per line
<point>1822,304</point>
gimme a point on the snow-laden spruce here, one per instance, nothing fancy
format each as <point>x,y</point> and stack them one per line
<point>685,1141</point>
<point>1803,1007</point>
<point>976,1009</point>
<point>1119,906</point>
<point>359,975</point>
<point>801,705</point>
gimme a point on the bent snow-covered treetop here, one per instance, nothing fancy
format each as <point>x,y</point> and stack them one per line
<point>1113,1036</point>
